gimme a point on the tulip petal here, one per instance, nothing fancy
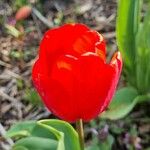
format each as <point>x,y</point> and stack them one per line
<point>57,91</point>
<point>83,85</point>
<point>58,100</point>
<point>90,41</point>
<point>60,39</point>
<point>116,64</point>
<point>72,40</point>
<point>95,79</point>
<point>71,87</point>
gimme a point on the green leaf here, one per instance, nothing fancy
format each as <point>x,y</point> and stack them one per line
<point>32,96</point>
<point>12,30</point>
<point>15,54</point>
<point>41,131</point>
<point>45,131</point>
<point>122,103</point>
<point>19,148</point>
<point>21,129</point>
<point>128,19</point>
<point>70,135</point>
<point>107,144</point>
<point>101,145</point>
<point>143,56</point>
<point>92,147</point>
<point>36,143</point>
<point>19,3</point>
<point>94,144</point>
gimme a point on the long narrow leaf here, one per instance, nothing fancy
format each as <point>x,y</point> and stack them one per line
<point>143,56</point>
<point>128,20</point>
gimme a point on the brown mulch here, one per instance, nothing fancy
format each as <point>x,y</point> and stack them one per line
<point>15,71</point>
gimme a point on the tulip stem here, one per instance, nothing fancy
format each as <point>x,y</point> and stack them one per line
<point>79,128</point>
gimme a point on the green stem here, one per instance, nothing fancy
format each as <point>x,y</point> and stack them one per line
<point>79,128</point>
<point>142,98</point>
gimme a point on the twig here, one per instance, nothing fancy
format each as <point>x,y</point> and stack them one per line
<point>13,101</point>
<point>42,18</point>
<point>5,64</point>
<point>9,72</point>
<point>5,147</point>
<point>4,95</point>
<point>3,133</point>
<point>42,115</point>
<point>29,64</point>
<point>37,25</point>
<point>32,115</point>
<point>109,35</point>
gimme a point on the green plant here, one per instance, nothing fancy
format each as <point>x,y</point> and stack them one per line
<point>133,37</point>
<point>44,135</point>
<point>19,3</point>
<point>32,96</point>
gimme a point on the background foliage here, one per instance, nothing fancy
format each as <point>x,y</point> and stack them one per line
<point>126,123</point>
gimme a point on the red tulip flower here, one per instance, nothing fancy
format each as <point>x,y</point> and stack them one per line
<point>71,73</point>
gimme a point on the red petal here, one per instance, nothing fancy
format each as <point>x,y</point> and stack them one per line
<point>90,41</point>
<point>57,42</point>
<point>95,78</point>
<point>62,38</point>
<point>56,98</point>
<point>101,45</point>
<point>79,88</point>
<point>87,81</point>
<point>59,90</point>
<point>72,40</point>
<point>116,64</point>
